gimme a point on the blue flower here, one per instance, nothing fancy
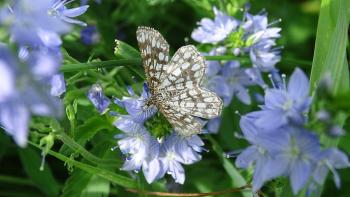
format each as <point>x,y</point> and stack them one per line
<point>58,85</point>
<point>295,151</point>
<point>7,75</point>
<point>263,56</point>
<point>260,38</point>
<point>135,106</point>
<point>286,105</point>
<point>171,162</point>
<point>136,142</point>
<point>213,31</point>
<point>59,10</point>
<point>32,25</point>
<point>212,126</point>
<point>154,156</point>
<point>89,35</point>
<point>330,159</point>
<point>255,23</point>
<point>257,154</point>
<point>231,80</point>
<point>98,99</point>
<point>25,93</point>
<point>43,62</point>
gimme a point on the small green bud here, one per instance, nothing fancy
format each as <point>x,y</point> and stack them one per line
<point>47,142</point>
<point>158,126</point>
<point>235,39</point>
<point>70,112</point>
<point>75,106</point>
<point>123,50</point>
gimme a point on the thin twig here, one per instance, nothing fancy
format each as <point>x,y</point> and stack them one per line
<point>190,194</point>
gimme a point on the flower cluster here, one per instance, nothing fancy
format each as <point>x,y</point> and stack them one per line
<point>252,36</point>
<point>149,143</point>
<point>281,144</point>
<point>228,81</point>
<point>31,69</point>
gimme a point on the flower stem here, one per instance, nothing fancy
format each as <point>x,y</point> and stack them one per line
<point>86,154</point>
<point>102,64</point>
<point>239,189</point>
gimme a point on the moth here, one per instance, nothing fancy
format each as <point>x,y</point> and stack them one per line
<point>175,85</point>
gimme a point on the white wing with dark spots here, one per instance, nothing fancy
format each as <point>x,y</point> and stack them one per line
<point>176,85</point>
<point>155,55</point>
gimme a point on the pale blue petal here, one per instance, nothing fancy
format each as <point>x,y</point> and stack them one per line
<point>298,85</point>
<point>299,175</point>
<point>14,118</point>
<point>74,12</point>
<point>247,157</point>
<point>58,85</point>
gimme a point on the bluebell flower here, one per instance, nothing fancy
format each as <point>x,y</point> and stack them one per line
<point>7,75</point>
<point>231,80</point>
<point>98,99</point>
<point>286,151</point>
<point>263,56</point>
<point>171,161</point>
<point>32,25</point>
<point>286,104</point>
<point>330,160</point>
<point>43,62</point>
<point>257,154</point>
<point>296,152</point>
<point>89,35</point>
<point>135,106</point>
<point>154,156</point>
<point>260,41</point>
<point>255,23</point>
<point>212,126</point>
<point>58,85</point>
<point>136,142</point>
<point>59,10</point>
<point>213,31</point>
<point>25,93</point>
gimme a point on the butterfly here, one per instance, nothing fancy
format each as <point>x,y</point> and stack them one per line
<point>175,85</point>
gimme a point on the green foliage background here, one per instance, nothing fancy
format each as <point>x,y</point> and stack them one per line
<point>84,165</point>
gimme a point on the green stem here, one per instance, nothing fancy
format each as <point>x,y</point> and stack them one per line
<point>109,175</point>
<point>102,64</point>
<point>227,57</point>
<point>16,180</point>
<point>86,154</point>
<point>131,63</point>
<point>285,60</point>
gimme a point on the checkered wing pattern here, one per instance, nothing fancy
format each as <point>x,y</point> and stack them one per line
<point>184,75</point>
<point>184,124</point>
<point>155,55</point>
<point>176,84</point>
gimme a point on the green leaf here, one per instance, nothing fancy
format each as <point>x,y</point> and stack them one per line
<point>86,154</point>
<point>97,186</point>
<point>81,183</point>
<point>106,174</point>
<point>44,180</point>
<point>103,64</point>
<point>330,46</point>
<point>76,183</point>
<point>123,50</point>
<point>86,131</point>
<point>237,178</point>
